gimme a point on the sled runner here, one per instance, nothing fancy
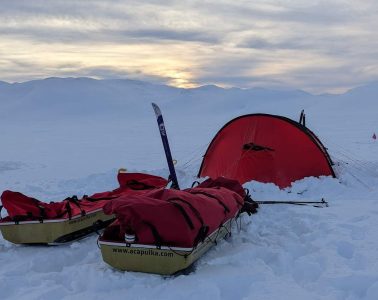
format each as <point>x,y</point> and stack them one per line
<point>165,231</point>
<point>31,221</point>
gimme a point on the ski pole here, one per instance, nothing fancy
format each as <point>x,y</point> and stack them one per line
<point>322,203</point>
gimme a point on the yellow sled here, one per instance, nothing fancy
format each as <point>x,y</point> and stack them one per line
<point>55,231</point>
<point>164,260</point>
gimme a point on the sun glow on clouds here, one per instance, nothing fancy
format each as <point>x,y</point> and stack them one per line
<point>107,60</point>
<point>322,46</point>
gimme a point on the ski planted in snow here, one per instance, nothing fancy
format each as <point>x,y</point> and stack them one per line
<point>167,150</point>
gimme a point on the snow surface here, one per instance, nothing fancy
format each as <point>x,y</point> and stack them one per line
<point>61,137</point>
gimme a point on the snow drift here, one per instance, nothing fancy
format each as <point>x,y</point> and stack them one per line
<point>69,136</point>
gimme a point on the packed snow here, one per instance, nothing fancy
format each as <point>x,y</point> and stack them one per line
<point>69,136</point>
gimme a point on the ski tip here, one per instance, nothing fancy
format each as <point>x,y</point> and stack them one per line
<point>156,109</point>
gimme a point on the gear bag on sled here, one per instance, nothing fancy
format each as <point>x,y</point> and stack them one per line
<point>164,231</point>
<point>31,221</point>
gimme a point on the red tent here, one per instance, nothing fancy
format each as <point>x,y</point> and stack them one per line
<point>265,148</point>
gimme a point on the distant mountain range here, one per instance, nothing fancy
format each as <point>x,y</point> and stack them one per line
<point>87,97</point>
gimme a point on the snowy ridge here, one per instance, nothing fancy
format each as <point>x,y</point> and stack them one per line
<point>69,136</point>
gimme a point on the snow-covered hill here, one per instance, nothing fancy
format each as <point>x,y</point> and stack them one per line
<point>68,136</point>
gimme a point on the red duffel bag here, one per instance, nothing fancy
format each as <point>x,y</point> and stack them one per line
<point>172,217</point>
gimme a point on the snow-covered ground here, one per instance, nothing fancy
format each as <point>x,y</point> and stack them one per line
<point>61,137</point>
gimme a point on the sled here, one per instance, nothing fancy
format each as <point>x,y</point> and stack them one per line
<point>163,260</point>
<point>165,231</point>
<point>31,221</point>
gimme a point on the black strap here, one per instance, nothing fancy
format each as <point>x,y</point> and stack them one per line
<point>201,235</point>
<point>155,233</point>
<point>86,197</point>
<point>193,209</point>
<point>225,207</point>
<point>42,213</point>
<point>68,210</point>
<point>75,201</point>
<point>204,229</point>
<point>183,212</point>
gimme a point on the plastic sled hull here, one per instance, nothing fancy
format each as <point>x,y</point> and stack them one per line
<point>164,260</point>
<point>54,232</point>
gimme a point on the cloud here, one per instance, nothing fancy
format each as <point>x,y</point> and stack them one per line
<point>117,36</point>
<point>319,46</point>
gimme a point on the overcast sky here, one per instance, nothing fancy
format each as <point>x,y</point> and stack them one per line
<point>318,46</point>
